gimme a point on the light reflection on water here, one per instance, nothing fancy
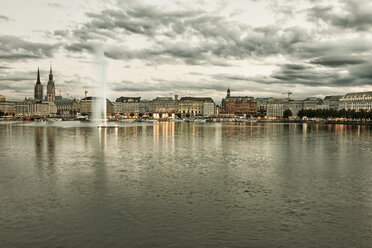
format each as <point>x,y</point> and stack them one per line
<point>185,185</point>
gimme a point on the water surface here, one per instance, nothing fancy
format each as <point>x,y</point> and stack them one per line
<point>70,184</point>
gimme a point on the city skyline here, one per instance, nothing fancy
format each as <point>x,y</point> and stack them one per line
<point>198,48</point>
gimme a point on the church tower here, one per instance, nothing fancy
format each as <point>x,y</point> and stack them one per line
<point>228,92</point>
<point>38,92</point>
<point>51,89</point>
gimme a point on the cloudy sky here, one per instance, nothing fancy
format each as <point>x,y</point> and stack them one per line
<point>199,48</point>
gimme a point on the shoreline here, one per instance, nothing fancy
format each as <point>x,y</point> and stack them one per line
<point>282,121</point>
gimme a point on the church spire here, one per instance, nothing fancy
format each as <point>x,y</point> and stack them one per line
<point>50,73</point>
<point>228,91</point>
<point>38,76</point>
<point>51,89</point>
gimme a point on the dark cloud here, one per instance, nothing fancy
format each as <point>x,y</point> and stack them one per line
<point>4,18</point>
<point>215,39</point>
<point>159,85</point>
<point>355,14</point>
<point>3,67</point>
<point>55,5</point>
<point>13,48</point>
<point>338,60</point>
<point>62,33</point>
<point>309,75</point>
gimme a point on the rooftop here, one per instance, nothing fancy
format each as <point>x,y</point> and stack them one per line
<point>204,99</point>
<point>239,98</point>
<point>357,95</point>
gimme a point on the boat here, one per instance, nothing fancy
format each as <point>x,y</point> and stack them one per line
<point>150,120</point>
<point>54,119</point>
<point>250,120</point>
<point>128,120</point>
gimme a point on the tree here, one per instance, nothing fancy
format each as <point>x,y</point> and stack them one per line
<point>179,115</point>
<point>287,113</point>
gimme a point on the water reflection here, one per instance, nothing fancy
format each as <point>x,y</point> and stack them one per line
<point>219,183</point>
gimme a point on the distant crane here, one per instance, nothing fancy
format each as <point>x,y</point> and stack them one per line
<point>289,94</point>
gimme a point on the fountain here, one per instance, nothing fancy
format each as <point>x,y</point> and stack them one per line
<point>100,104</point>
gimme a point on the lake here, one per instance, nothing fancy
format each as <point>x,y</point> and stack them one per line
<point>71,184</point>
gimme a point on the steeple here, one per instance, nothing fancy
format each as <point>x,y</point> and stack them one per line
<point>51,75</point>
<point>51,89</point>
<point>38,91</point>
<point>38,76</point>
<point>228,92</point>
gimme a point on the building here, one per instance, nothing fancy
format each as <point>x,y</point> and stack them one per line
<point>295,106</point>
<point>2,98</point>
<point>42,109</point>
<point>38,91</point>
<point>7,107</point>
<point>144,106</point>
<point>239,105</point>
<point>66,107</point>
<point>262,106</point>
<point>86,105</point>
<point>163,105</point>
<point>51,89</point>
<point>357,101</point>
<point>196,106</point>
<point>127,105</point>
<point>276,107</point>
<point>331,102</point>
<point>312,103</point>
<point>22,108</point>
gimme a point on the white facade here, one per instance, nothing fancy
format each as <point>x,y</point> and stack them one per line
<point>357,101</point>
<point>209,108</point>
<point>43,109</point>
<point>276,107</point>
<point>127,107</point>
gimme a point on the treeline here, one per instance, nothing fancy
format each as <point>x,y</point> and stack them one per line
<point>333,113</point>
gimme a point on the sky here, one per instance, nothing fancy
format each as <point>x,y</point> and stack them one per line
<point>259,48</point>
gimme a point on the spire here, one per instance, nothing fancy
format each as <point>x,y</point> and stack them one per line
<point>228,91</point>
<point>38,76</point>
<point>50,73</point>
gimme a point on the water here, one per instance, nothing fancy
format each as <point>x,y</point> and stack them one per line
<point>185,185</point>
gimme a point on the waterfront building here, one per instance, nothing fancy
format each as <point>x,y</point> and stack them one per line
<point>295,106</point>
<point>196,106</point>
<point>2,98</point>
<point>312,103</point>
<point>22,108</point>
<point>262,106</point>
<point>42,109</point>
<point>144,106</point>
<point>331,102</point>
<point>127,105</point>
<point>66,107</point>
<point>7,107</point>
<point>276,107</point>
<point>357,101</point>
<point>86,105</point>
<point>38,91</point>
<point>163,105</point>
<point>239,105</point>
<point>51,89</point>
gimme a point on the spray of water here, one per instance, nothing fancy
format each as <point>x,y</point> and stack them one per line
<point>100,64</point>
